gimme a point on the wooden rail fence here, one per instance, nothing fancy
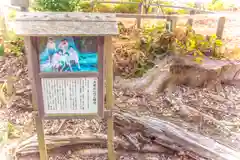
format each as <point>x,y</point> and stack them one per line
<point>172,20</point>
<point>141,6</point>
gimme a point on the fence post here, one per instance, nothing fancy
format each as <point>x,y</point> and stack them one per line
<point>24,4</point>
<point>220,27</point>
<point>171,23</point>
<point>190,20</point>
<point>140,10</point>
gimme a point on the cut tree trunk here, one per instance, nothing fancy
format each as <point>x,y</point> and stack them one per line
<point>196,75</point>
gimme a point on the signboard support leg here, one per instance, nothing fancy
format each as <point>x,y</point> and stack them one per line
<point>32,54</point>
<point>41,141</point>
<point>109,94</point>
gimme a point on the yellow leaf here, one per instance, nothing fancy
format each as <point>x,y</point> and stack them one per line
<point>198,60</point>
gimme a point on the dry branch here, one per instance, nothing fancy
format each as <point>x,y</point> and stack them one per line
<point>31,145</point>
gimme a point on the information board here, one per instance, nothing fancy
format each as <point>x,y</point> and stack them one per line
<point>71,73</point>
<point>70,95</point>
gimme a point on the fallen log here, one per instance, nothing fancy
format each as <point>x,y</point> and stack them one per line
<point>144,135</point>
<point>174,137</point>
<point>30,145</point>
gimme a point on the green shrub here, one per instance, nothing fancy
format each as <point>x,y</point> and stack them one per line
<point>104,8</point>
<point>217,6</point>
<point>168,10</point>
<point>55,5</point>
<point>182,11</point>
<point>12,14</point>
<point>84,7</point>
<point>126,8</point>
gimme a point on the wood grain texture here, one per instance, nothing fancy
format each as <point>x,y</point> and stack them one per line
<point>30,44</point>
<point>108,49</point>
<point>65,16</point>
<point>65,23</point>
<point>220,27</point>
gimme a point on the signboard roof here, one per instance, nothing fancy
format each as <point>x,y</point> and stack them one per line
<point>65,24</point>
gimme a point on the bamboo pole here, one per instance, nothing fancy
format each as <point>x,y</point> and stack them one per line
<point>109,94</point>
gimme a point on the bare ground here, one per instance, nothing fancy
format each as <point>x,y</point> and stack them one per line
<point>224,110</point>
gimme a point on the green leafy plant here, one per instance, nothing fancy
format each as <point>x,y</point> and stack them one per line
<point>15,47</point>
<point>12,14</point>
<point>12,131</point>
<point>56,5</point>
<point>199,46</point>
<point>84,7</point>
<point>104,8</point>
<point>182,11</point>
<point>216,5</point>
<point>126,8</point>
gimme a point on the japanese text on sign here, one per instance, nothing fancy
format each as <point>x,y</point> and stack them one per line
<point>70,95</point>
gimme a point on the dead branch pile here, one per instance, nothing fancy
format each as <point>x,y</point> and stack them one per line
<point>129,60</point>
<point>17,90</point>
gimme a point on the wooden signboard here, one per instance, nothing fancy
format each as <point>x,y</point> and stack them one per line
<point>66,57</point>
<point>70,69</point>
<point>68,60</point>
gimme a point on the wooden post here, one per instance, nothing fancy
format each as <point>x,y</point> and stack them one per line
<point>41,139</point>
<point>220,27</point>
<point>92,3</point>
<point>109,94</point>
<point>31,52</point>
<point>219,32</point>
<point>24,4</point>
<point>190,20</point>
<point>140,11</point>
<point>172,22</point>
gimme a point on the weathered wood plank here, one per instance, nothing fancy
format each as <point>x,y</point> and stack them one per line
<point>40,28</point>
<point>65,16</point>
<point>50,24</point>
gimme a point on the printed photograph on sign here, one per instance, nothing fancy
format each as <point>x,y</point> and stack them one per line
<point>68,54</point>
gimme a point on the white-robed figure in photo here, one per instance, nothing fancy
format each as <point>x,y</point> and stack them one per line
<point>55,62</point>
<point>73,56</point>
<point>63,45</point>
